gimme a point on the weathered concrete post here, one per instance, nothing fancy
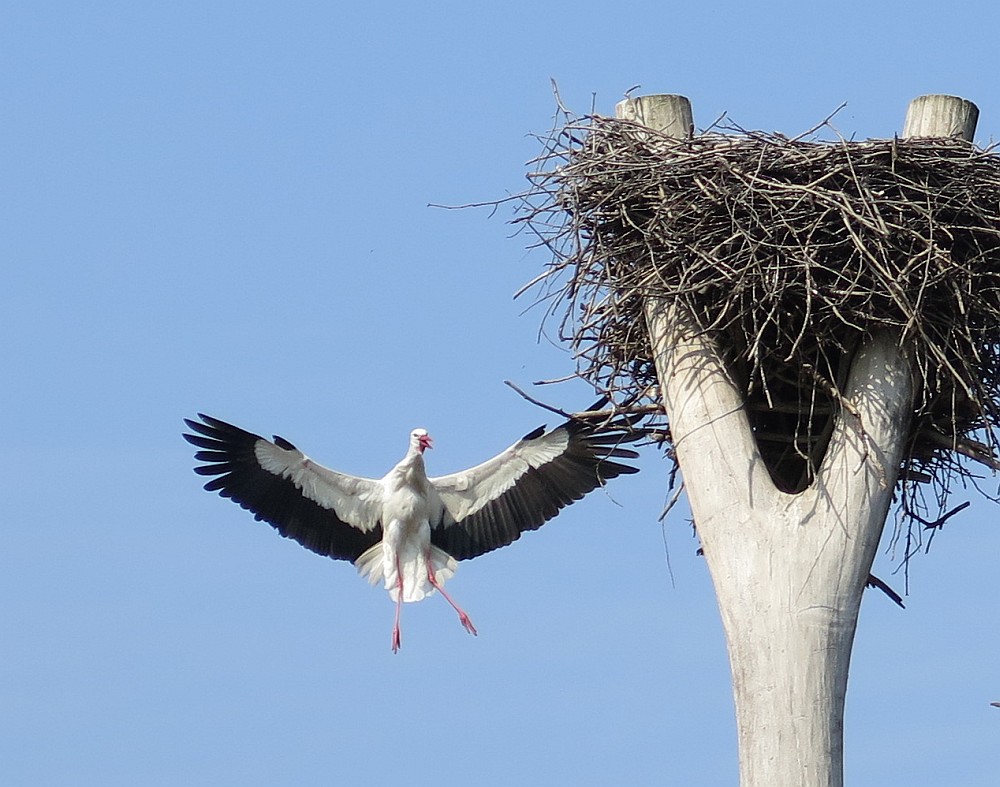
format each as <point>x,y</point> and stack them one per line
<point>941,116</point>
<point>788,569</point>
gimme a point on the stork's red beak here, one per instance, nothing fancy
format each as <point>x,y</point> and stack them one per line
<point>425,442</point>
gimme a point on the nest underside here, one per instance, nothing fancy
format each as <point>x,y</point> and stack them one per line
<point>790,253</point>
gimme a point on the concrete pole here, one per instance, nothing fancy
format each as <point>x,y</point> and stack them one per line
<point>789,570</point>
<point>941,116</point>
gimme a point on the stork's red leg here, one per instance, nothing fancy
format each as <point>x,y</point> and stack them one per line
<point>461,613</point>
<point>396,635</point>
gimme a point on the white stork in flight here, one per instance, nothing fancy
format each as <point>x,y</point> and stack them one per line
<point>405,529</point>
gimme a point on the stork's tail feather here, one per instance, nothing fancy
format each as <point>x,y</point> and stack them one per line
<point>372,565</point>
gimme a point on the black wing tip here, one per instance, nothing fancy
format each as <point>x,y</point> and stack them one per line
<point>282,443</point>
<point>216,428</point>
<point>607,441</point>
<point>220,430</point>
<point>534,434</point>
<point>222,443</point>
<point>601,442</point>
<point>206,426</point>
<point>197,426</point>
<point>618,453</point>
<point>622,469</point>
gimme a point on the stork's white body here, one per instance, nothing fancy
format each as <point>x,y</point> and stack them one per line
<point>405,558</point>
<point>406,539</point>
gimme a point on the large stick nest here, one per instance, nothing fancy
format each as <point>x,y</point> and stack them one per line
<point>790,253</point>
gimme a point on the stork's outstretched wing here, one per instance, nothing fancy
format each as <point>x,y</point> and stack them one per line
<point>490,505</point>
<point>331,513</point>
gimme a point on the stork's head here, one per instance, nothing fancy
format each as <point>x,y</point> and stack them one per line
<point>420,440</point>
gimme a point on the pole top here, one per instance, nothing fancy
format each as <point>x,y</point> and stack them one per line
<point>939,115</point>
<point>667,113</point>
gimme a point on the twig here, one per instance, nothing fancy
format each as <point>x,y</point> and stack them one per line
<point>671,503</point>
<point>938,523</point>
<point>534,401</point>
<point>874,582</point>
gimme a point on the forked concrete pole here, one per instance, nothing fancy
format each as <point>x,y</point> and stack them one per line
<point>789,570</point>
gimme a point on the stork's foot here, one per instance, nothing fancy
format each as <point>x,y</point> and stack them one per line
<point>461,612</point>
<point>396,637</point>
<point>467,623</point>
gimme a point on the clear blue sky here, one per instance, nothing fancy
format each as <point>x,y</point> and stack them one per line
<point>223,207</point>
